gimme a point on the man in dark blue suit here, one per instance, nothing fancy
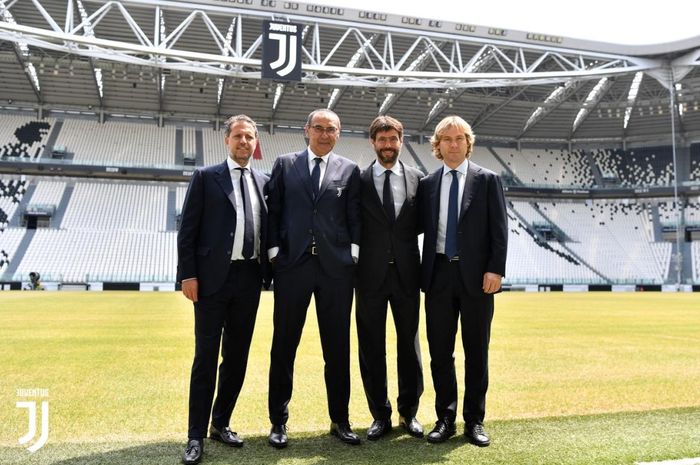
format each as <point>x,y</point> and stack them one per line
<point>314,232</point>
<point>463,214</point>
<point>222,264</point>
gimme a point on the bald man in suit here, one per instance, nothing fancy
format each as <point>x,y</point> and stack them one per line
<point>313,240</point>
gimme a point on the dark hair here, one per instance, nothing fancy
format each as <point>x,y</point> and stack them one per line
<point>385,123</point>
<point>234,119</point>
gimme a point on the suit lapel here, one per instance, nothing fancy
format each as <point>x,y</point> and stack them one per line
<point>411,184</point>
<point>368,181</point>
<point>470,186</point>
<point>435,184</point>
<point>259,187</point>
<point>223,178</point>
<point>301,165</point>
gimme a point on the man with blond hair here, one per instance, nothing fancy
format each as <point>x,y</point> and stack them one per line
<point>463,215</point>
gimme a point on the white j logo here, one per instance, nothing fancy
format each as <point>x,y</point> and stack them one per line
<point>287,57</point>
<point>31,407</point>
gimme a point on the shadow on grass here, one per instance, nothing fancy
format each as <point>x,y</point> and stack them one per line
<point>622,438</point>
<point>308,448</point>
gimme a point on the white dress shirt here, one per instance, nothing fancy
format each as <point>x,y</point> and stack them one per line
<point>445,199</point>
<point>323,165</point>
<point>396,180</point>
<point>237,251</point>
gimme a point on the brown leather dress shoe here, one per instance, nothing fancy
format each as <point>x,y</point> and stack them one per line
<point>226,436</point>
<point>378,428</point>
<point>343,432</point>
<point>193,452</point>
<point>476,435</point>
<point>412,426</point>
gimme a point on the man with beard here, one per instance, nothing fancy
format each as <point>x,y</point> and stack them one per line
<point>389,273</point>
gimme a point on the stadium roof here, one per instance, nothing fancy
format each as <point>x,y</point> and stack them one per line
<point>176,60</point>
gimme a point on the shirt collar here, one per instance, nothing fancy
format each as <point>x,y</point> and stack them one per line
<point>324,159</point>
<point>232,165</point>
<point>378,169</point>
<point>462,168</point>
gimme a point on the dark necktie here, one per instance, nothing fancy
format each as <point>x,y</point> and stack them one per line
<point>451,232</point>
<point>249,229</point>
<point>388,197</point>
<point>316,176</point>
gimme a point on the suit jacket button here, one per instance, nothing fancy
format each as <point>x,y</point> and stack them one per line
<point>228,252</point>
<point>231,234</point>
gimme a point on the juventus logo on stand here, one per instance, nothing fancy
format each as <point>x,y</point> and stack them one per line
<point>281,51</point>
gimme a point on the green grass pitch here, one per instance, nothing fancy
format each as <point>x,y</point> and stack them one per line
<point>576,378</point>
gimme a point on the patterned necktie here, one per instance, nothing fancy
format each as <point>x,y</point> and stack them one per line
<point>249,229</point>
<point>388,198</point>
<point>316,176</point>
<point>452,208</point>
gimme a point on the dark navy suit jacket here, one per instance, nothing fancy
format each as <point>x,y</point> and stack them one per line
<point>295,217</point>
<point>208,225</point>
<point>382,240</point>
<point>482,229</point>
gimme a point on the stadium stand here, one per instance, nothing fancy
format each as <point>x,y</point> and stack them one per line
<point>668,214</point>
<point>594,241</point>
<point>102,237</point>
<point>189,144</point>
<point>695,162</point>
<point>23,137</point>
<point>532,258</point>
<point>11,192</point>
<point>695,247</point>
<point>111,206</point>
<point>48,192</point>
<point>10,239</point>
<point>118,143</point>
<point>642,167</point>
<point>547,167</point>
<point>82,256</point>
<point>615,238</point>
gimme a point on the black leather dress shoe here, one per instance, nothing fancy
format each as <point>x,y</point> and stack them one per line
<point>226,436</point>
<point>193,452</point>
<point>278,436</point>
<point>378,428</point>
<point>476,435</point>
<point>343,432</point>
<point>412,426</point>
<point>444,429</point>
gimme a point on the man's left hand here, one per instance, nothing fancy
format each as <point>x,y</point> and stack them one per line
<point>492,282</point>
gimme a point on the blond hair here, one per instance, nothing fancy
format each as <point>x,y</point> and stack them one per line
<point>447,123</point>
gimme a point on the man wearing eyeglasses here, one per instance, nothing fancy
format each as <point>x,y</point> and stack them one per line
<point>313,236</point>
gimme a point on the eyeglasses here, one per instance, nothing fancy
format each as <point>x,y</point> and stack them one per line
<point>330,130</point>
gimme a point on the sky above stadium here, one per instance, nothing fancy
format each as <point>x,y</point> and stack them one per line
<point>614,21</point>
